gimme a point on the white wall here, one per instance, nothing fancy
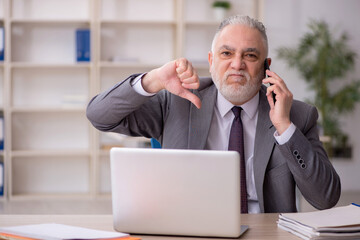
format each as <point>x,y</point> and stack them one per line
<point>286,22</point>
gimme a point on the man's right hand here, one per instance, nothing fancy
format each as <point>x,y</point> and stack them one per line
<point>177,77</point>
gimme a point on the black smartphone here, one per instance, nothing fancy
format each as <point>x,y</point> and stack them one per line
<point>266,67</point>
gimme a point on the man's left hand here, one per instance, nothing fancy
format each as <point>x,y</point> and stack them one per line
<point>280,110</point>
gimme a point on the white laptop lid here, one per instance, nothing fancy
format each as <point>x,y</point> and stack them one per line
<point>176,192</point>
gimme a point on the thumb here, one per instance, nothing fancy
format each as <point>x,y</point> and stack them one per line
<point>191,97</point>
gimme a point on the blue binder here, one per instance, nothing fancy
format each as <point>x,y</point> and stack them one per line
<point>2,43</point>
<point>83,45</point>
<point>1,177</point>
<point>155,143</point>
<point>1,131</point>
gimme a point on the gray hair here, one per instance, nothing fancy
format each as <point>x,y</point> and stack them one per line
<point>241,20</point>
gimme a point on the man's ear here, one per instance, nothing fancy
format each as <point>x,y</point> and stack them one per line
<point>269,61</point>
<point>210,59</point>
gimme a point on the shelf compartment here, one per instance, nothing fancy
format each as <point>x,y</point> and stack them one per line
<point>50,131</point>
<point>195,53</point>
<point>109,76</point>
<point>33,87</point>
<point>192,13</point>
<point>2,10</point>
<point>110,139</point>
<point>104,175</point>
<point>154,10</point>
<point>120,43</point>
<point>1,88</point>
<point>44,43</point>
<point>50,175</point>
<point>50,9</point>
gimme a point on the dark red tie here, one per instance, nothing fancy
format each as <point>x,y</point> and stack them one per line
<point>236,143</point>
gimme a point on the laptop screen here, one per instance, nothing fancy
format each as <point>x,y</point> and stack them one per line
<point>176,192</point>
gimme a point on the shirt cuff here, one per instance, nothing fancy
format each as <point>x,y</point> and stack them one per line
<point>137,86</point>
<point>285,137</point>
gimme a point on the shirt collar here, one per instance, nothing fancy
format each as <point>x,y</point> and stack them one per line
<point>250,107</point>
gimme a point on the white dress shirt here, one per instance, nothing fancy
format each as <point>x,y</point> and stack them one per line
<point>219,134</point>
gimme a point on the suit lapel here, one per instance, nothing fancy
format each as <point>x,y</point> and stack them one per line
<point>264,144</point>
<point>200,119</point>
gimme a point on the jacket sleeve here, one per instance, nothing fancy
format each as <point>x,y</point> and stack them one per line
<point>120,109</point>
<point>311,168</point>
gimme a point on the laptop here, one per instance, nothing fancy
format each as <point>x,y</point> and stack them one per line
<point>176,192</point>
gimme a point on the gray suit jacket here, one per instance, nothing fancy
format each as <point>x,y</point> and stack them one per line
<point>178,124</point>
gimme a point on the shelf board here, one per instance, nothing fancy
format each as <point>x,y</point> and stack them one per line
<point>103,196</point>
<point>202,23</point>
<point>138,22</point>
<point>50,21</point>
<point>50,65</point>
<point>64,109</point>
<point>49,196</point>
<point>49,153</point>
<point>200,65</point>
<point>107,64</point>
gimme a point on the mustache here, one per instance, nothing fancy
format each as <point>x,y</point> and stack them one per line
<point>241,72</point>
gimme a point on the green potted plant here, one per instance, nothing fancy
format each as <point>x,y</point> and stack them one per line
<point>220,9</point>
<point>323,61</point>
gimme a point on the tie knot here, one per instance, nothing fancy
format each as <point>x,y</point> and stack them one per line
<point>236,110</point>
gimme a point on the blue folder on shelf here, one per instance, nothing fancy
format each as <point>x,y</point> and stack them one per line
<point>83,45</point>
<point>1,177</point>
<point>1,131</point>
<point>2,43</point>
<point>155,143</point>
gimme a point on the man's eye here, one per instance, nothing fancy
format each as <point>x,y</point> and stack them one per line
<point>251,57</point>
<point>226,53</point>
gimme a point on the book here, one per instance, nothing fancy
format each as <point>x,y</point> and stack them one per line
<point>2,43</point>
<point>1,177</point>
<point>1,131</point>
<point>59,232</point>
<point>335,223</point>
<point>83,45</point>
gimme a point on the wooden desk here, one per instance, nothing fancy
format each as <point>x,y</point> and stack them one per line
<point>261,226</point>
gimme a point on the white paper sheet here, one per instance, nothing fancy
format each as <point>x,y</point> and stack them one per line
<point>53,231</point>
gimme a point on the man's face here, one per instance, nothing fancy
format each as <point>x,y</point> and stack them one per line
<point>237,63</point>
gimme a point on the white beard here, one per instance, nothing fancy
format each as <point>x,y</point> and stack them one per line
<point>237,93</point>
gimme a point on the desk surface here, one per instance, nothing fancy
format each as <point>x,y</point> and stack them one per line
<point>261,226</point>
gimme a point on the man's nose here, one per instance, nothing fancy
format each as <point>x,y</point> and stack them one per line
<point>238,63</point>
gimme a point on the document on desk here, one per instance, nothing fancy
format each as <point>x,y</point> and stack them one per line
<point>335,223</point>
<point>53,231</point>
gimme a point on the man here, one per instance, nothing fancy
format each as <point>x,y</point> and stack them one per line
<point>281,143</point>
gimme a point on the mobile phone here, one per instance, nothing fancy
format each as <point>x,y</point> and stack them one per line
<point>266,67</point>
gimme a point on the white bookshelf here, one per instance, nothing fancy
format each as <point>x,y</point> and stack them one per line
<point>51,150</point>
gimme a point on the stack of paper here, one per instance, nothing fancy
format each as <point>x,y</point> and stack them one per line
<point>335,223</point>
<point>58,232</point>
